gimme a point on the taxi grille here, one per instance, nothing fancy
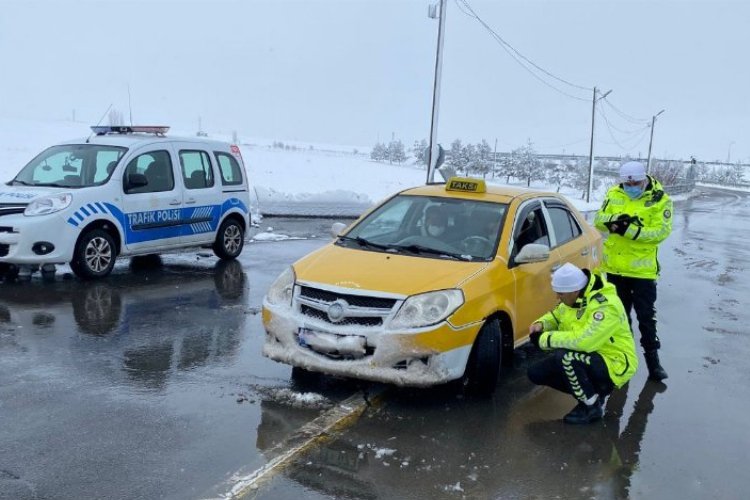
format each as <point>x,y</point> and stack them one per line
<point>358,310</point>
<point>351,320</point>
<point>352,300</point>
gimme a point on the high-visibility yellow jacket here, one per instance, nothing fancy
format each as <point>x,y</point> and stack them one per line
<point>597,324</point>
<point>634,254</point>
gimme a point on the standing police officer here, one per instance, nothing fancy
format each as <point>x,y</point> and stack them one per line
<point>637,213</point>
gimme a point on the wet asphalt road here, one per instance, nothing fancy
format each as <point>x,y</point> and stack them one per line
<point>150,384</point>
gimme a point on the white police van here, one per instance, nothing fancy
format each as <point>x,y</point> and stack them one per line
<point>126,190</point>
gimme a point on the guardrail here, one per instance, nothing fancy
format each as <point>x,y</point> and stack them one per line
<point>680,188</point>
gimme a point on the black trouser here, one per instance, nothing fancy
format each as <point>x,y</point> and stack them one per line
<point>639,294</point>
<point>578,373</point>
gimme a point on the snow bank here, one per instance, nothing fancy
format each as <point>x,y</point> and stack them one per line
<point>306,179</point>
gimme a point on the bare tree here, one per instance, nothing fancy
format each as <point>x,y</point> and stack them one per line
<point>115,117</point>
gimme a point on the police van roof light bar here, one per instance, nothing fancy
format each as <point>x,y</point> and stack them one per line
<point>129,129</point>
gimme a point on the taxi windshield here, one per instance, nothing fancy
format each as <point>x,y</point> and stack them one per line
<point>71,166</point>
<point>430,226</point>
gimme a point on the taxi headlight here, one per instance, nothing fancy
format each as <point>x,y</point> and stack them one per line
<point>281,290</point>
<point>49,204</point>
<point>427,309</point>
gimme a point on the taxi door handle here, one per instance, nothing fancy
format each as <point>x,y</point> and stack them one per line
<point>174,202</point>
<point>189,201</point>
<point>585,252</point>
<point>556,267</point>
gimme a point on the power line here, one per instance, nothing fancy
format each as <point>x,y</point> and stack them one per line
<point>474,14</point>
<point>626,132</point>
<point>515,54</point>
<point>642,131</point>
<point>624,115</point>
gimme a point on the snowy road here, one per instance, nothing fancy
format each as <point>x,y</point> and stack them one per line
<point>151,385</point>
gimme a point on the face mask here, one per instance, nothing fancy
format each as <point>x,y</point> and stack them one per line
<point>435,230</point>
<point>633,191</point>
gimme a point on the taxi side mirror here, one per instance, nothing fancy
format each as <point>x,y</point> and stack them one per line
<point>337,228</point>
<point>532,252</point>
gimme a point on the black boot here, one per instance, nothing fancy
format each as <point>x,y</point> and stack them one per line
<point>655,371</point>
<point>585,414</point>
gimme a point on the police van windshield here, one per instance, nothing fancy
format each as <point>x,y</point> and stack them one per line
<point>71,166</point>
<point>432,227</point>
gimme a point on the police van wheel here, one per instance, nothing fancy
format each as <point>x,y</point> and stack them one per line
<point>229,240</point>
<point>94,255</point>
<point>483,366</point>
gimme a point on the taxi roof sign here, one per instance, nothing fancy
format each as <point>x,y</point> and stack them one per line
<point>466,185</point>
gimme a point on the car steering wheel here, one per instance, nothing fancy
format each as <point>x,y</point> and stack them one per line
<point>476,244</point>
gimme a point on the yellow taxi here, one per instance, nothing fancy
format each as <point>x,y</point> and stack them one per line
<point>437,283</point>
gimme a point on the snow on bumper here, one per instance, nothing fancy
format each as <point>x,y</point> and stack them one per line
<point>426,357</point>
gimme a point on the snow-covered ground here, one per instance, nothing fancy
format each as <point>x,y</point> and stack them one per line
<point>306,179</point>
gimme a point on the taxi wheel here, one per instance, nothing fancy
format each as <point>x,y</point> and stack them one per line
<point>229,240</point>
<point>483,366</point>
<point>94,256</point>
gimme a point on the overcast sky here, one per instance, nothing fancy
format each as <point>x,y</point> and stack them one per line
<point>356,71</point>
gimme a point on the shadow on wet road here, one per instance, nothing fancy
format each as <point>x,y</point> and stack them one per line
<point>434,444</point>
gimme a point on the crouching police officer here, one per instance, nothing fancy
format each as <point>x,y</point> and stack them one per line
<point>638,216</point>
<point>592,346</point>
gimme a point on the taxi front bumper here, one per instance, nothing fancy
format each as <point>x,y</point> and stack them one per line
<point>419,358</point>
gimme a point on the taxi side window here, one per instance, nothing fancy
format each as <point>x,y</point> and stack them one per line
<point>564,225</point>
<point>231,173</point>
<point>156,166</point>
<point>196,169</point>
<point>530,228</point>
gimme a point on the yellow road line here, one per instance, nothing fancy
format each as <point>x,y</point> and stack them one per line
<point>315,433</point>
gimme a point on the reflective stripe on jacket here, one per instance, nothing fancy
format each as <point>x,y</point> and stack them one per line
<point>598,325</point>
<point>634,254</point>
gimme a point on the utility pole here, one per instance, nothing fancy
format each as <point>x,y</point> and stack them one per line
<point>591,147</point>
<point>651,141</point>
<point>729,152</point>
<point>432,155</point>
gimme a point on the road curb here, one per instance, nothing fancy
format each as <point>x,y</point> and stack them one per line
<point>315,433</point>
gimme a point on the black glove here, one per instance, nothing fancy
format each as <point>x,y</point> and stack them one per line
<point>620,225</point>
<point>534,338</point>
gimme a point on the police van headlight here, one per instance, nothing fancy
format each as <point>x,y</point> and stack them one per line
<point>49,204</point>
<point>282,289</point>
<point>427,309</point>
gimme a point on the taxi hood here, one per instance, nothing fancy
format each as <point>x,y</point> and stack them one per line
<point>383,272</point>
<point>23,195</point>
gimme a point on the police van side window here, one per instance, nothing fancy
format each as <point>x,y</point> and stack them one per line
<point>196,169</point>
<point>231,173</point>
<point>106,161</point>
<point>156,166</point>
